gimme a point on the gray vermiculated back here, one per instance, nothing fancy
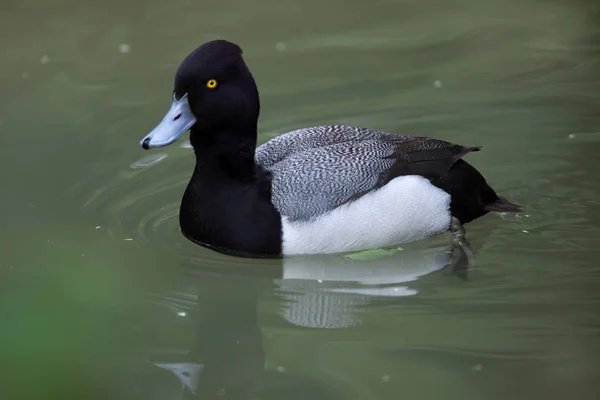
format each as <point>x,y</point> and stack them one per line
<point>317,169</point>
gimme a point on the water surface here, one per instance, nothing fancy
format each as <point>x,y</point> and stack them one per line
<point>102,298</point>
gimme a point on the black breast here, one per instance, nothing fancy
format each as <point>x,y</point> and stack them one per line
<point>231,217</point>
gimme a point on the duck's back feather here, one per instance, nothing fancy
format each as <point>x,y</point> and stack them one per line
<point>315,170</point>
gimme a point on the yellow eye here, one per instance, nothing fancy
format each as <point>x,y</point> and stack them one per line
<point>211,84</point>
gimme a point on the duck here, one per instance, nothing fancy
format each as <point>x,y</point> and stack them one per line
<point>317,190</point>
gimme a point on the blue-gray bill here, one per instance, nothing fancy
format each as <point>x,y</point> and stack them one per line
<point>178,120</point>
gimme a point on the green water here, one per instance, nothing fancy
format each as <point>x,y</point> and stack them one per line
<point>102,297</point>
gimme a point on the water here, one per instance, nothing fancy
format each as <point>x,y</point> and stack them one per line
<point>102,298</point>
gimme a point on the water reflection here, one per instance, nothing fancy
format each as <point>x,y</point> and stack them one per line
<point>325,292</point>
<point>227,357</point>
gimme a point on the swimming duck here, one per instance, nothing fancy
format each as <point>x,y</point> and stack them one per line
<point>324,189</point>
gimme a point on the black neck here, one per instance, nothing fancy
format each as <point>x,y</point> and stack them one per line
<point>227,204</point>
<point>230,150</point>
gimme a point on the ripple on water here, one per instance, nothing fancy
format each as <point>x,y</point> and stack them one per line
<point>135,201</point>
<point>186,144</point>
<point>148,161</point>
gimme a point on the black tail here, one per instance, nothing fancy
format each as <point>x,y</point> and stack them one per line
<point>502,205</point>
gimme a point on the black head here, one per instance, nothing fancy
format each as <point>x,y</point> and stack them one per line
<point>219,85</point>
<point>214,92</point>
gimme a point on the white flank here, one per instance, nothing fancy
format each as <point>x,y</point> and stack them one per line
<point>408,208</point>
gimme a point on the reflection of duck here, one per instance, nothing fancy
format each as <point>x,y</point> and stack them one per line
<point>228,359</point>
<point>316,190</point>
<point>325,293</point>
